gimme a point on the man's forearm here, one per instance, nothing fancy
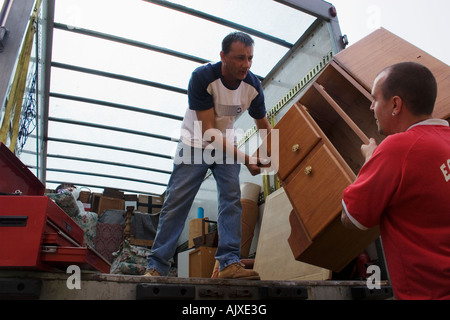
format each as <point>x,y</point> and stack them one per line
<point>219,142</point>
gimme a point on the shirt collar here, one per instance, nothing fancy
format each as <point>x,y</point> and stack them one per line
<point>431,122</point>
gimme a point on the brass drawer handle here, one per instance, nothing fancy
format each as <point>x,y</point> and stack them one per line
<point>295,148</point>
<point>308,170</point>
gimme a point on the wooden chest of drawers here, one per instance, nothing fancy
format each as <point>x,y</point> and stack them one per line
<point>314,174</point>
<point>320,138</point>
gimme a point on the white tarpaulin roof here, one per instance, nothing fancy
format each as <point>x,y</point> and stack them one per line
<point>119,75</point>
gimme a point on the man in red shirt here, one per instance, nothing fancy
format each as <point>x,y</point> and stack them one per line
<point>404,186</point>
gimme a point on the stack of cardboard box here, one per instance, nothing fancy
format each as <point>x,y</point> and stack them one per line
<point>116,200</point>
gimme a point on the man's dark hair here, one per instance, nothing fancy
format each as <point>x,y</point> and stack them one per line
<point>236,36</point>
<point>414,83</point>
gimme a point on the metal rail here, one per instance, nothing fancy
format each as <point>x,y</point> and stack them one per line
<point>107,176</point>
<point>130,42</point>
<point>224,22</point>
<point>110,163</point>
<point>110,147</point>
<point>115,105</point>
<point>118,77</point>
<point>111,128</point>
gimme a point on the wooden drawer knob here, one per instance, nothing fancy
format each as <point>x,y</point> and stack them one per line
<point>295,148</point>
<point>308,170</point>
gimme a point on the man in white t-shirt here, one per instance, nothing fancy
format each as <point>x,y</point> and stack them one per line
<point>217,93</point>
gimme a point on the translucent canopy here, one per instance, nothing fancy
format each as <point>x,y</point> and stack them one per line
<point>119,76</point>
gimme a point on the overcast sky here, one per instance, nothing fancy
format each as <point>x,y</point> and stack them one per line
<point>424,23</point>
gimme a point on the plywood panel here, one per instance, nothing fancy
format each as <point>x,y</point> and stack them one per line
<point>366,58</point>
<point>274,259</point>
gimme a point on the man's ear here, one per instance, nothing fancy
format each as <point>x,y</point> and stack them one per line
<point>397,105</point>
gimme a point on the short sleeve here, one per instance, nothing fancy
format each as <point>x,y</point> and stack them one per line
<point>257,109</point>
<point>198,96</point>
<point>368,197</point>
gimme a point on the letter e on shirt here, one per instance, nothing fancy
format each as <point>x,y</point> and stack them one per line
<point>445,168</point>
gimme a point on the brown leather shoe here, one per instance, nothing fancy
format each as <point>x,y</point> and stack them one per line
<point>152,273</point>
<point>237,271</point>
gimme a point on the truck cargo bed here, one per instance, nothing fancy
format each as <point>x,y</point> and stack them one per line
<point>99,286</point>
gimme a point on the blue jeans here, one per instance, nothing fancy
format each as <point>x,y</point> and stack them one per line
<point>183,186</point>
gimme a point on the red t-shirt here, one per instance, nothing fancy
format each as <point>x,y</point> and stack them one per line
<point>405,189</point>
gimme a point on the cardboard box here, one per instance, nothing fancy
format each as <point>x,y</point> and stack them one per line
<point>150,204</point>
<point>113,193</point>
<point>197,228</point>
<point>105,203</point>
<point>201,262</point>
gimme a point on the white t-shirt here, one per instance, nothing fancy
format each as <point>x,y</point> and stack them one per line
<point>206,90</point>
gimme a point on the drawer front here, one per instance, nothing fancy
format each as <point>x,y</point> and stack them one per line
<point>22,223</point>
<point>64,222</point>
<point>315,189</point>
<point>84,257</point>
<point>297,138</point>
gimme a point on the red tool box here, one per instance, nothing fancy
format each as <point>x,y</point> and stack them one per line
<point>35,233</point>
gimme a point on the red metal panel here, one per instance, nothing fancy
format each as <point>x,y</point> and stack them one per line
<point>34,231</point>
<point>14,175</point>
<point>54,236</point>
<point>81,256</point>
<point>22,223</point>
<point>64,222</point>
